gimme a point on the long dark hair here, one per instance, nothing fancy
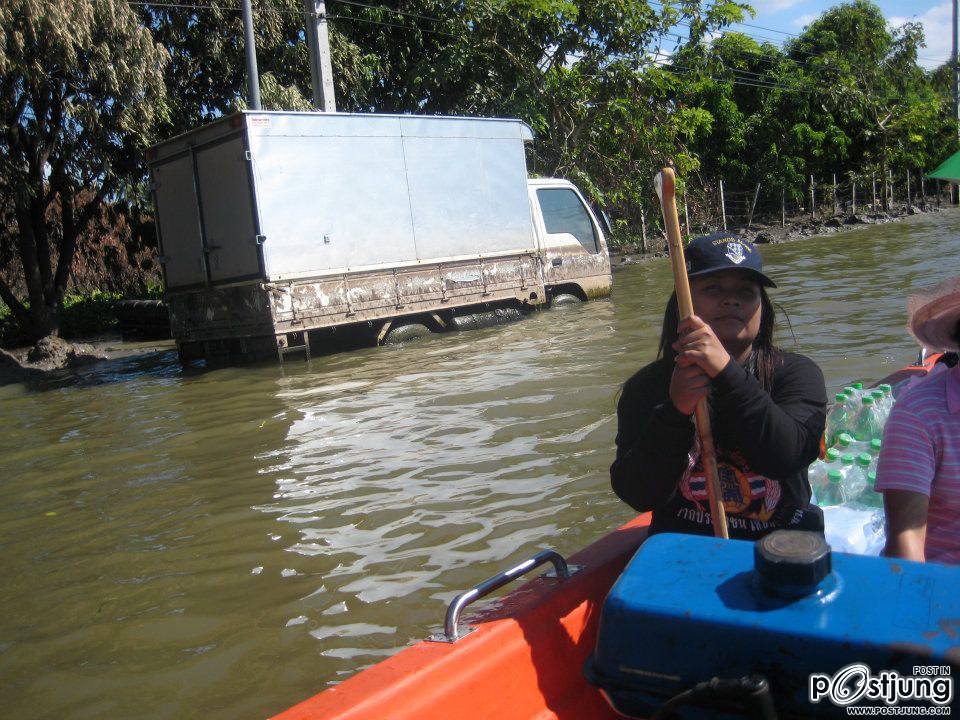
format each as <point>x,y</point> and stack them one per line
<point>765,356</point>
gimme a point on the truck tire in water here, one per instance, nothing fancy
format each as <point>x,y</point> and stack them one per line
<point>406,333</point>
<point>564,299</point>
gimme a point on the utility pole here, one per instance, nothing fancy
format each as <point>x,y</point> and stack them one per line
<point>250,49</point>
<point>318,40</point>
<point>955,59</point>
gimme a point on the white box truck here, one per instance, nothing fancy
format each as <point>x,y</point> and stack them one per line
<point>278,229</point>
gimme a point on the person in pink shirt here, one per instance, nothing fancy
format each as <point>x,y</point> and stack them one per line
<point>919,467</point>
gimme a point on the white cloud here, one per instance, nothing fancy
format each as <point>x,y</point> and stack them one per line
<point>804,20</point>
<point>937,27</point>
<point>765,6</point>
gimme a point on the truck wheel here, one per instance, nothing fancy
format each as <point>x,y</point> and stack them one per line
<point>564,299</point>
<point>406,333</point>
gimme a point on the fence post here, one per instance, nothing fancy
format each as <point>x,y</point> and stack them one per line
<point>643,230</point>
<point>890,190</point>
<point>853,195</point>
<point>813,201</point>
<point>908,189</point>
<point>686,213</point>
<point>783,207</point>
<point>873,184</point>
<point>723,207</point>
<point>834,193</point>
<point>753,206</point>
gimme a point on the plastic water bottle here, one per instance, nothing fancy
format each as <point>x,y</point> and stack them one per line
<point>817,474</point>
<point>867,426</point>
<point>880,405</point>
<point>855,481</point>
<point>838,419</point>
<point>847,444</point>
<point>870,496</point>
<point>832,493</point>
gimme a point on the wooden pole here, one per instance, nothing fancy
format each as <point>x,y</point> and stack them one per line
<point>668,203</point>
<point>853,195</point>
<point>723,207</point>
<point>813,201</point>
<point>783,207</point>
<point>873,184</point>
<point>909,199</point>
<point>834,194</point>
<point>753,206</point>
<point>643,230</point>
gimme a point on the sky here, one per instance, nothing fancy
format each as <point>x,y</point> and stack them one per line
<point>792,15</point>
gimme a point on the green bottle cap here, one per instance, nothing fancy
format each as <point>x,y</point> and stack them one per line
<point>867,400</point>
<point>840,397</point>
<point>850,390</point>
<point>887,389</point>
<point>835,476</point>
<point>844,439</point>
<point>833,454</point>
<point>858,385</point>
<point>847,459</point>
<point>877,394</point>
<point>875,445</point>
<point>864,459</point>
<point>872,477</point>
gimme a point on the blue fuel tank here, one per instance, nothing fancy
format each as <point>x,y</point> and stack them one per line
<point>813,632</point>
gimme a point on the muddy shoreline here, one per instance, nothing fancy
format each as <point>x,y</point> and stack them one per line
<point>798,227</point>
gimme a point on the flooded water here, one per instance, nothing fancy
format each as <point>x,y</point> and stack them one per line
<point>224,544</point>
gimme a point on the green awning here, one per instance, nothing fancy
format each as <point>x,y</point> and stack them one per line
<point>949,169</point>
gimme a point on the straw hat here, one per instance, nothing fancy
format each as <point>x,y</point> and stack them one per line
<point>934,314</point>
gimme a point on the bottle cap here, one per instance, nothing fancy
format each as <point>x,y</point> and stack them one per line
<point>872,477</point>
<point>864,459</point>
<point>858,385</point>
<point>877,394</point>
<point>887,388</point>
<point>875,444</point>
<point>835,476</point>
<point>847,459</point>
<point>844,439</point>
<point>868,400</point>
<point>850,390</point>
<point>833,454</point>
<point>840,397</point>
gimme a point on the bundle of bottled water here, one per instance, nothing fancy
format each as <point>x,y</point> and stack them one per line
<point>843,481</point>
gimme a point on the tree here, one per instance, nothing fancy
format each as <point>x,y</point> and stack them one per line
<point>81,87</point>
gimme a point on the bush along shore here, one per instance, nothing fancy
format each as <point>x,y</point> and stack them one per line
<point>797,227</point>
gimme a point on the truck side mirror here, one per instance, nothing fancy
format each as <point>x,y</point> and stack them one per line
<point>605,221</point>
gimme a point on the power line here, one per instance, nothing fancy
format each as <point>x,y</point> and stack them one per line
<point>405,13</point>
<point>354,18</point>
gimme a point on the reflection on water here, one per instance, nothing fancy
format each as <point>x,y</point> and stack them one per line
<point>223,544</point>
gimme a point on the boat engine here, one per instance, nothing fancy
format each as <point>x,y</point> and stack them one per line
<point>699,627</point>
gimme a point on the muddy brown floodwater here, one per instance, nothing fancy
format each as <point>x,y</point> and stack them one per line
<point>224,544</point>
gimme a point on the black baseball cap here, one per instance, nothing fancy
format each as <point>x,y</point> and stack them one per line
<point>723,251</point>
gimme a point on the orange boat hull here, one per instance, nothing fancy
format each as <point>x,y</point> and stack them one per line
<point>522,661</point>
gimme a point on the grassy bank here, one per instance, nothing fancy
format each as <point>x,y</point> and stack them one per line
<point>83,315</point>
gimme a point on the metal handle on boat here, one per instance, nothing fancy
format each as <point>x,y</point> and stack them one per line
<point>451,629</point>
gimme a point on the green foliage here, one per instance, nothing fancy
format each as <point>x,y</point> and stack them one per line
<point>610,90</point>
<point>81,88</point>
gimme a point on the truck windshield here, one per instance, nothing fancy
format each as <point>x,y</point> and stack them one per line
<point>564,213</point>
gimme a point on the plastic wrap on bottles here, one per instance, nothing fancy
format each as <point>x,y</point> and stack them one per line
<point>854,528</point>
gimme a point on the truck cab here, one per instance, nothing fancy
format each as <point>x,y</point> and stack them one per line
<point>570,239</point>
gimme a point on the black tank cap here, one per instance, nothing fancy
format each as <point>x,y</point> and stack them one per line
<point>791,563</point>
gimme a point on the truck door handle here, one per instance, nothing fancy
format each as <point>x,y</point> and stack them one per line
<point>557,262</point>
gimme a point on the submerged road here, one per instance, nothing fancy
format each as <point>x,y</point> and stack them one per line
<point>224,544</point>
